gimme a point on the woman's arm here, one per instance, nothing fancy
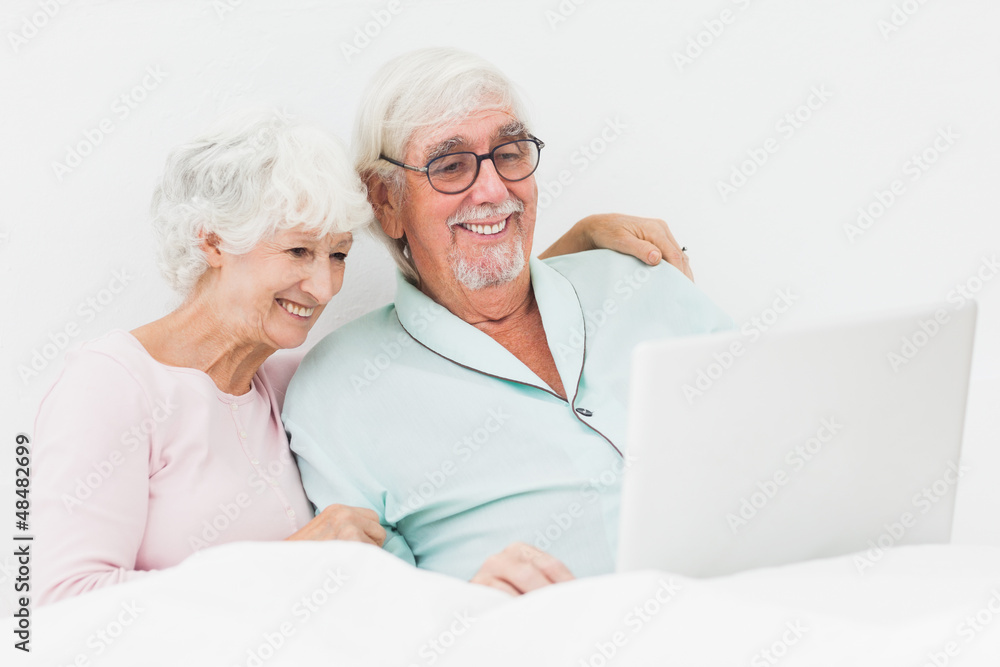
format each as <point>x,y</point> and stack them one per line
<point>90,479</point>
<point>648,239</point>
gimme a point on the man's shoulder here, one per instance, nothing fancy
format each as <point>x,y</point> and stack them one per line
<point>604,279</point>
<point>590,258</point>
<point>359,334</point>
<point>348,353</point>
<point>607,270</point>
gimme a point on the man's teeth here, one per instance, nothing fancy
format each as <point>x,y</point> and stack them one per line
<point>296,309</point>
<point>487,229</point>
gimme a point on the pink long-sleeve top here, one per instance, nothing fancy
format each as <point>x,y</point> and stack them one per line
<point>137,465</point>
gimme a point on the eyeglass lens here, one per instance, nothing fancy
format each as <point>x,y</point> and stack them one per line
<point>514,161</point>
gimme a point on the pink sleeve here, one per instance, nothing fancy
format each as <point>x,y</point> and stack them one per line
<point>90,478</point>
<point>279,369</point>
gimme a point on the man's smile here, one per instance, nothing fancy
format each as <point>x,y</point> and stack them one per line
<point>486,229</point>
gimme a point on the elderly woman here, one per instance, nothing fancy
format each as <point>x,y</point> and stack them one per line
<point>155,443</point>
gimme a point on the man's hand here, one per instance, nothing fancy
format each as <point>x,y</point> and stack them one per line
<point>648,239</point>
<point>339,522</point>
<point>521,568</point>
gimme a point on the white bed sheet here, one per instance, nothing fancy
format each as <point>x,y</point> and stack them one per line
<point>242,604</point>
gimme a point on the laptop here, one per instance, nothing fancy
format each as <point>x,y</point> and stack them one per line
<point>766,448</point>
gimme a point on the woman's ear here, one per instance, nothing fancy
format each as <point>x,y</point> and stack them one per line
<point>210,246</point>
<point>385,205</point>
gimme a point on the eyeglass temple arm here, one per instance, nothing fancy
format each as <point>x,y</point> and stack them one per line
<point>422,170</point>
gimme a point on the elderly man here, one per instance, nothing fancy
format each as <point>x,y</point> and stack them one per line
<point>483,413</point>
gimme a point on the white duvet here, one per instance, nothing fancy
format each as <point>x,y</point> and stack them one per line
<point>337,603</point>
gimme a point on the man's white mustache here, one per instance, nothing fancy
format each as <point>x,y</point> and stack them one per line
<point>486,211</point>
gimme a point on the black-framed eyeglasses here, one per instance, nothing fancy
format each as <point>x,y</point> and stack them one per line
<point>454,173</point>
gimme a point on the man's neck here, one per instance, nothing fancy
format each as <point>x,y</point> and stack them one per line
<point>509,315</point>
<point>487,308</point>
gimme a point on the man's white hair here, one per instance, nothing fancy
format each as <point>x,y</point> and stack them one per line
<point>424,89</point>
<point>249,176</point>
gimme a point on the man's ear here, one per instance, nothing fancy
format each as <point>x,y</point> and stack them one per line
<point>210,246</point>
<point>385,205</point>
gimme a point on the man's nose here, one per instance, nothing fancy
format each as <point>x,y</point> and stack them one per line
<point>489,187</point>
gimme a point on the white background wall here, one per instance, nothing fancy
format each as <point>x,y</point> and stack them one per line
<point>684,127</point>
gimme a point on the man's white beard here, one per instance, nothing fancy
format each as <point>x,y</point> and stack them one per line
<point>496,265</point>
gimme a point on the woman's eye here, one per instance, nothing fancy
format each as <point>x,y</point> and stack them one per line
<point>339,256</point>
<point>299,252</point>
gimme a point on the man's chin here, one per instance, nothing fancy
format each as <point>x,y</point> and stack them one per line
<point>478,282</point>
<point>490,270</point>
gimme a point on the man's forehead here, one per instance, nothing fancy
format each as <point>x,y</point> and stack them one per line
<point>476,129</point>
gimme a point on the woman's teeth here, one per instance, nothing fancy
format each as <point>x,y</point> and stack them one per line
<point>296,309</point>
<point>487,229</point>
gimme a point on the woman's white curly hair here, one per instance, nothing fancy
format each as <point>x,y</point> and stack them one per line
<point>251,175</point>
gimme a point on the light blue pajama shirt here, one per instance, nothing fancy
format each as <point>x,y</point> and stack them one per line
<point>459,447</point>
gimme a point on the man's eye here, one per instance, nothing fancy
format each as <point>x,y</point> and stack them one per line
<point>450,165</point>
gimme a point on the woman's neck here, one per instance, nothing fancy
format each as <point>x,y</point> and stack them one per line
<point>194,337</point>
